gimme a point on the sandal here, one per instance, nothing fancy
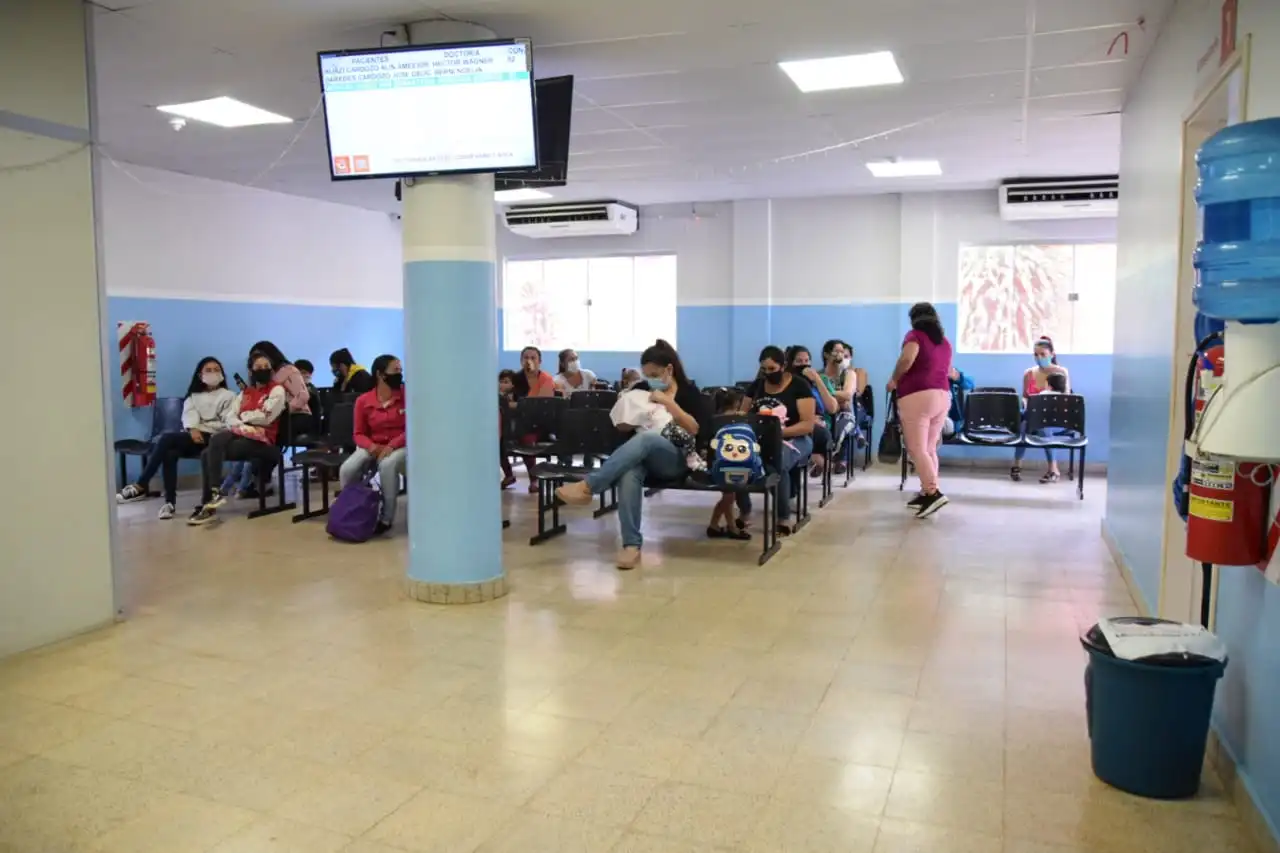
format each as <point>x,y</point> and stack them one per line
<point>785,529</point>
<point>508,482</point>
<point>1015,473</point>
<point>1051,477</point>
<point>738,535</point>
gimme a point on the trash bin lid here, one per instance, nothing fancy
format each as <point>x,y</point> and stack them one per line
<point>1162,642</point>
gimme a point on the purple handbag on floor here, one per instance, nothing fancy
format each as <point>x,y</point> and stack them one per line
<point>355,512</point>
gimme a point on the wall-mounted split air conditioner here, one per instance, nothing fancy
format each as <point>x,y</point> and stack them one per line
<point>576,219</point>
<point>1090,197</point>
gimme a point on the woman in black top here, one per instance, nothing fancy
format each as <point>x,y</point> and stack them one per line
<point>647,453</point>
<point>788,397</point>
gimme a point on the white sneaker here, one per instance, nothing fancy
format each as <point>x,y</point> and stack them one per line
<point>166,512</point>
<point>130,493</point>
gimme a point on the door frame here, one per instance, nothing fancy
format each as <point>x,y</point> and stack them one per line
<point>1220,83</point>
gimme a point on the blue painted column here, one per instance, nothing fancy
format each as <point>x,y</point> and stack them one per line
<point>455,514</point>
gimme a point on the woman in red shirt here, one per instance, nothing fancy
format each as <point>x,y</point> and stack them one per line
<point>533,381</point>
<point>380,436</point>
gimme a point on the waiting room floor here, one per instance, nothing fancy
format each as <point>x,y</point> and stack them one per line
<point>883,685</point>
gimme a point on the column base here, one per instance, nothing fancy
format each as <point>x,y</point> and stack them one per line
<point>456,593</point>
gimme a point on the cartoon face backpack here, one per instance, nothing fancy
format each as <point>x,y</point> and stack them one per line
<point>735,456</point>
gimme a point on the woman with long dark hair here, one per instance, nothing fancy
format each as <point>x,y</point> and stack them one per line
<point>204,413</point>
<point>1035,380</point>
<point>921,378</point>
<point>648,452</point>
<point>380,437</point>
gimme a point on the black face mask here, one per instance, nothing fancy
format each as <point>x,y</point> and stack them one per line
<point>394,380</point>
<point>799,370</point>
<point>261,377</point>
<point>773,377</point>
<point>339,373</point>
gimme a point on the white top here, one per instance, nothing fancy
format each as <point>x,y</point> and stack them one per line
<point>207,410</point>
<point>562,382</point>
<point>635,409</point>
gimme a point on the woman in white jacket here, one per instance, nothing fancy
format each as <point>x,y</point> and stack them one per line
<point>204,413</point>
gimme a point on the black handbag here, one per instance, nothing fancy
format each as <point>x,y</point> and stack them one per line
<point>890,452</point>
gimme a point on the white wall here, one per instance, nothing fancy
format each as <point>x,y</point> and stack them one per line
<point>55,521</point>
<point>167,235</point>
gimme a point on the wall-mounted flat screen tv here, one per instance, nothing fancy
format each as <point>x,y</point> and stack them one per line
<point>555,117</point>
<point>430,109</point>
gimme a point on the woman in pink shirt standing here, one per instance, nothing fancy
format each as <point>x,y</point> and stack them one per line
<point>924,396</point>
<point>380,437</point>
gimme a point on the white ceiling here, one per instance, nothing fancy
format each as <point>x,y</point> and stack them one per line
<point>677,100</point>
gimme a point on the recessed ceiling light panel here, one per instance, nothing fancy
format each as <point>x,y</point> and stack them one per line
<point>905,168</point>
<point>843,72</point>
<point>225,112</point>
<point>526,194</point>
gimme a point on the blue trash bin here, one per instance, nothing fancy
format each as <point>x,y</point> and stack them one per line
<point>1148,719</point>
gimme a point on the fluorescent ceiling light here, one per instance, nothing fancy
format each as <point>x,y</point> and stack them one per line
<point>905,168</point>
<point>843,72</point>
<point>520,195</point>
<point>225,112</point>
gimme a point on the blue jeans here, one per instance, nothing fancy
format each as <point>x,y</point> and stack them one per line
<point>1019,452</point>
<point>646,454</point>
<point>795,452</point>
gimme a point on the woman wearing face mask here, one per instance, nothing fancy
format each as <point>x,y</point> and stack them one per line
<point>348,377</point>
<point>801,362</point>
<point>253,420</point>
<point>842,381</point>
<point>204,413</point>
<point>647,453</point>
<point>1035,380</point>
<point>573,376</point>
<point>380,437</point>
<point>788,397</point>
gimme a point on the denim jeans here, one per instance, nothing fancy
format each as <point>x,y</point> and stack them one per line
<point>390,467</point>
<point>646,454</point>
<point>795,452</point>
<point>1019,452</point>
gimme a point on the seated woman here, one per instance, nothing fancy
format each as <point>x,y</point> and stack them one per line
<point>841,380</point>
<point>252,423</point>
<point>647,453</point>
<point>532,381</point>
<point>573,376</point>
<point>801,364</point>
<point>380,437</point>
<point>348,377</point>
<point>789,398</point>
<point>1035,380</point>
<point>204,413</point>
<point>506,405</point>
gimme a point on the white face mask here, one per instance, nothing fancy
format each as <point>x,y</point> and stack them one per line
<point>845,362</point>
<point>572,367</point>
<point>211,380</point>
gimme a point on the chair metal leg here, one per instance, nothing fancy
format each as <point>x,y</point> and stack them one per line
<point>281,505</point>
<point>608,506</point>
<point>122,479</point>
<point>307,511</point>
<point>903,482</point>
<point>1080,479</point>
<point>770,533</point>
<point>547,503</point>
<point>828,488</point>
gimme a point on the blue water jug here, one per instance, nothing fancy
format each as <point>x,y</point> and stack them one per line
<point>1238,258</point>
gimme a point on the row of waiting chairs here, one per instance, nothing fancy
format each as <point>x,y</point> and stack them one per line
<point>993,417</point>
<point>581,426</point>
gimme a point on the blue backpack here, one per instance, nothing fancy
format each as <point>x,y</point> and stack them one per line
<point>735,456</point>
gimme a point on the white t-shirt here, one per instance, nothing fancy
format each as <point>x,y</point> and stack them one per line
<point>562,382</point>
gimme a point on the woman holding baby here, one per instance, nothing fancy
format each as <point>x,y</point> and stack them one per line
<point>673,400</point>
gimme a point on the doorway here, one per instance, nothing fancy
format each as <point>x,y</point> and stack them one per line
<point>1221,103</point>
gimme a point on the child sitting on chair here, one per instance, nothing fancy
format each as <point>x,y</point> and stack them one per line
<point>723,525</point>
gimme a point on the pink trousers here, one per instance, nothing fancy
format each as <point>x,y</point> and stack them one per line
<point>922,415</point>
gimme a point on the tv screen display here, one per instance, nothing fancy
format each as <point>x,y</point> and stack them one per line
<point>555,116</point>
<point>429,109</point>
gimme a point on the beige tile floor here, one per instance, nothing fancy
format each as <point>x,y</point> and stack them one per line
<point>882,685</point>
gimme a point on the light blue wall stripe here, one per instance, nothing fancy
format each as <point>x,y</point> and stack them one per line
<point>451,365</point>
<point>719,345</point>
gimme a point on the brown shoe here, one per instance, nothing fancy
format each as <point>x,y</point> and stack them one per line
<point>628,558</point>
<point>575,494</point>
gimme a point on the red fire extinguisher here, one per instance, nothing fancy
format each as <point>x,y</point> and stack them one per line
<point>137,364</point>
<point>1228,499</point>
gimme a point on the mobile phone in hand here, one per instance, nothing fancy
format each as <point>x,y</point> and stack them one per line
<point>240,383</point>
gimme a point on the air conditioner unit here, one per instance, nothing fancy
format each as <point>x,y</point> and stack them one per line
<point>577,219</point>
<point>1090,197</point>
